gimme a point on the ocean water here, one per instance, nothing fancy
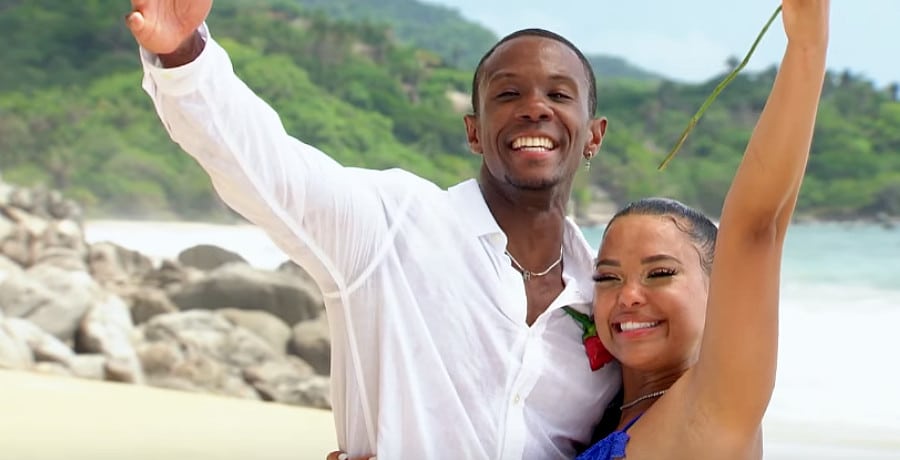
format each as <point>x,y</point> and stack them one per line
<point>837,394</point>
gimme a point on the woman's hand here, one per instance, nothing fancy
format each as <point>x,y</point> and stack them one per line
<point>806,21</point>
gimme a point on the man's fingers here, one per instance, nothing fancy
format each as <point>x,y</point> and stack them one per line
<point>338,455</point>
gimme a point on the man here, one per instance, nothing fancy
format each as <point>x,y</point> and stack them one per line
<point>448,335</point>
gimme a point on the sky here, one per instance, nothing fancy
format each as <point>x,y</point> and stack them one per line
<point>690,40</point>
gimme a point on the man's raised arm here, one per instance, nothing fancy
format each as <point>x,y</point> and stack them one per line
<point>324,216</point>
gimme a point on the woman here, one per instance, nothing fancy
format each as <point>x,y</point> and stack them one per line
<point>697,337</point>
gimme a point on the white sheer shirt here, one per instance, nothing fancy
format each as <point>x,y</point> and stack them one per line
<point>431,354</point>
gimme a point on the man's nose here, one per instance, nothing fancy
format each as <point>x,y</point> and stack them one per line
<point>535,107</point>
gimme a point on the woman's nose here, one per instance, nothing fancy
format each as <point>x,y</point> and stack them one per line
<point>631,295</point>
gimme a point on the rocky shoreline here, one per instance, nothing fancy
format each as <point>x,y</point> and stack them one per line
<point>206,321</point>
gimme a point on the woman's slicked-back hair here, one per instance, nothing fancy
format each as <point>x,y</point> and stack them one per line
<point>701,230</point>
<point>588,70</point>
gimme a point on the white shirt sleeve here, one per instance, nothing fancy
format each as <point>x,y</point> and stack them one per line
<point>328,218</point>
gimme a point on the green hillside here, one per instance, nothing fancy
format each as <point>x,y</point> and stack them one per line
<point>378,91</point>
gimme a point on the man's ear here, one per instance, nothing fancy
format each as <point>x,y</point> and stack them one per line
<point>472,134</point>
<point>598,131</point>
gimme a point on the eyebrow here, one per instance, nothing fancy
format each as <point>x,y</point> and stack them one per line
<point>500,76</point>
<point>645,260</point>
<point>507,74</point>
<point>565,79</point>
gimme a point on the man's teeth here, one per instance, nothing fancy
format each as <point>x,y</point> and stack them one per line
<point>633,326</point>
<point>533,142</point>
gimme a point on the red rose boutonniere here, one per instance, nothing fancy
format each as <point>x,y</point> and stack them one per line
<point>598,355</point>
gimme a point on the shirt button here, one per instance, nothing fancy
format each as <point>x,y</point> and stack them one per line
<point>516,399</point>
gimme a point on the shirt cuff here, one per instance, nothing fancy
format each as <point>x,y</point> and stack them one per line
<point>182,79</point>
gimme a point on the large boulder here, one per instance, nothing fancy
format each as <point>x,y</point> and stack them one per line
<point>107,329</point>
<point>112,265</point>
<point>310,341</point>
<point>265,325</point>
<point>238,285</point>
<point>208,257</point>
<point>51,297</point>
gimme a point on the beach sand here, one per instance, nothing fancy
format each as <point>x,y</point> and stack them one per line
<point>54,418</point>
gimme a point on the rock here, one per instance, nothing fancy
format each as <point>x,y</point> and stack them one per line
<point>147,303</point>
<point>112,265</point>
<point>291,268</point>
<point>265,325</point>
<point>68,259</point>
<point>107,329</point>
<point>64,234</point>
<point>8,267</point>
<point>208,257</point>
<point>171,276</point>
<point>91,366</point>
<point>17,246</point>
<point>7,228</point>
<point>59,295</point>
<point>33,225</point>
<point>200,350</point>
<point>287,382</point>
<point>53,298</point>
<point>310,341</point>
<point>44,346</point>
<point>241,286</point>
<point>14,352</point>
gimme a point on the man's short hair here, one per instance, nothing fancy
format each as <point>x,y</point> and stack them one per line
<point>588,70</point>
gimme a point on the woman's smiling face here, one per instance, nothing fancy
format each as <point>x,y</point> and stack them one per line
<point>650,293</point>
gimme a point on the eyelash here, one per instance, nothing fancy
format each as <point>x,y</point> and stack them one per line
<point>554,95</point>
<point>655,273</point>
<point>660,272</point>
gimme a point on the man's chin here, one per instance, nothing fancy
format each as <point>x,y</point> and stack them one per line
<point>533,184</point>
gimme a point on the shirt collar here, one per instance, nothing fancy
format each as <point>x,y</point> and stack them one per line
<point>472,209</point>
<point>469,203</point>
<point>579,264</point>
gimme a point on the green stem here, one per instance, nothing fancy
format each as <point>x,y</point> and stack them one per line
<point>712,97</point>
<point>582,319</point>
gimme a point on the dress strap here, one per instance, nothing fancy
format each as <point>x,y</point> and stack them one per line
<point>628,425</point>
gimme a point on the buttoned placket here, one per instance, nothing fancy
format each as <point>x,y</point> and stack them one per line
<point>533,359</point>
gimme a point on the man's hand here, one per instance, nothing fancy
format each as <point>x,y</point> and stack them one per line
<point>806,21</point>
<point>168,28</point>
<point>338,455</point>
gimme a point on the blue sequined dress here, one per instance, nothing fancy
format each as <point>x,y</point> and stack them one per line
<point>610,447</point>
